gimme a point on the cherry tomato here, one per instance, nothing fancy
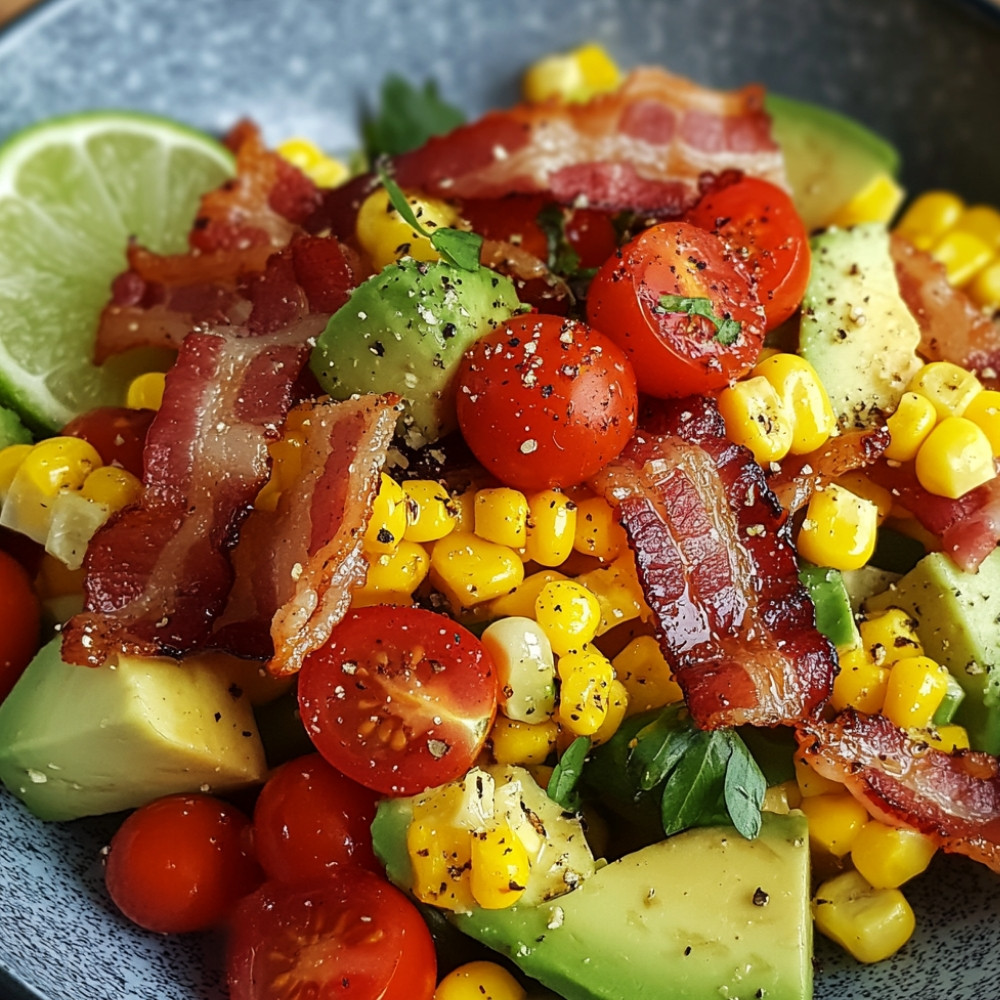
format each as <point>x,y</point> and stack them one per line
<point>513,219</point>
<point>349,935</point>
<point>181,863</point>
<point>682,307</point>
<point>591,234</point>
<point>544,401</point>
<point>20,622</point>
<point>310,818</point>
<point>117,432</point>
<point>399,698</point>
<point>759,222</point>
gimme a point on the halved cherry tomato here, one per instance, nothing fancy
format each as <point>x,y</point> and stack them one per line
<point>399,698</point>
<point>513,219</point>
<point>20,618</point>
<point>759,222</point>
<point>310,818</point>
<point>682,307</point>
<point>117,432</point>
<point>545,401</point>
<point>349,935</point>
<point>181,863</point>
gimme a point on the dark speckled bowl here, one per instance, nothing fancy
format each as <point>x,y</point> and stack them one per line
<point>925,73</point>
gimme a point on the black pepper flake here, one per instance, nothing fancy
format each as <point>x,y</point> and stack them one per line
<point>378,348</point>
<point>760,897</point>
<point>687,950</point>
<point>218,716</point>
<point>235,691</point>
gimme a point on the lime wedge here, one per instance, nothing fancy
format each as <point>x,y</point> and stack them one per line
<point>72,192</point>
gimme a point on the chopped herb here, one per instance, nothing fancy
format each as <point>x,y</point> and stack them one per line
<point>562,258</point>
<point>727,331</point>
<point>407,117</point>
<point>566,775</point>
<point>744,788</point>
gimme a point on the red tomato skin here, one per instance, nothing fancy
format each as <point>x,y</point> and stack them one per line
<point>20,622</point>
<point>759,222</point>
<point>310,818</point>
<point>181,863</point>
<point>117,432</point>
<point>675,354</point>
<point>380,660</point>
<point>544,401</point>
<point>592,235</point>
<point>349,935</point>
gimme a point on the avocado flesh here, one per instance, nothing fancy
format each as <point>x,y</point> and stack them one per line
<point>674,921</point>
<point>81,741</point>
<point>958,622</point>
<point>829,158</point>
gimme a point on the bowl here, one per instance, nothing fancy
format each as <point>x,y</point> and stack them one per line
<point>920,72</point>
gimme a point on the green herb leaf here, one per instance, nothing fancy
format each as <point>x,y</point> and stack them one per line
<point>727,331</point>
<point>407,117</point>
<point>562,258</point>
<point>691,794</point>
<point>566,775</point>
<point>660,745</point>
<point>744,788</point>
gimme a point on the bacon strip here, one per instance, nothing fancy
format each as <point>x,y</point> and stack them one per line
<point>643,147</point>
<point>718,572</point>
<point>952,798</point>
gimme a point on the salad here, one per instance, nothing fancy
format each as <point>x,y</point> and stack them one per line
<point>620,557</point>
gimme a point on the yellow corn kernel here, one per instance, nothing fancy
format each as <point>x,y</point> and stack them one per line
<point>811,783</point>
<point>464,508</point>
<point>643,669</point>
<point>322,170</point>
<point>870,924</point>
<point>803,398</point>
<point>984,289</point>
<point>860,684</point>
<point>568,614</point>
<point>468,569</point>
<point>430,514</point>
<point>500,868</point>
<point>984,412</point>
<point>11,458</point>
<point>947,738</point>
<point>839,529</point>
<point>57,463</point>
<point>929,217</point>
<point>393,577</point>
<point>598,532</point>
<point>956,457</point>
<point>388,521</point>
<point>585,681</point>
<point>617,710</point>
<point>949,387</point>
<point>501,516</point>
<point>877,201</point>
<point>286,468</point>
<point>618,591</point>
<point>520,602</point>
<point>963,254</point>
<point>56,579</point>
<point>984,222</point>
<point>756,418</point>
<point>479,981</point>
<point>440,854</point>
<point>386,236</point>
<point>835,819</point>
<point>782,798</point>
<point>916,688</point>
<point>113,487</point>
<point>523,743</point>
<point>573,76</point>
<point>145,392</point>
<point>860,485</point>
<point>551,527</point>
<point>913,419</point>
<point>888,856</point>
<point>890,636</point>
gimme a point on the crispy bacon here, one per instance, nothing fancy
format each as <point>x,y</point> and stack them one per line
<point>952,798</point>
<point>643,148</point>
<point>718,571</point>
<point>297,566</point>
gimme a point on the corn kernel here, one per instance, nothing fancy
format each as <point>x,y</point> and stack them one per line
<point>526,673</point>
<point>648,679</point>
<point>522,743</point>
<point>917,686</point>
<point>984,222</point>
<point>440,854</point>
<point>598,532</point>
<point>949,387</point>
<point>888,856</point>
<point>469,570</point>
<point>870,924</point>
<point>929,217</point>
<point>877,201</point>
<point>574,76</point>
<point>618,591</point>
<point>145,392</point>
<point>568,614</point>
<point>479,981</point>
<point>500,868</point>
<point>585,677</point>
<point>963,254</point>
<point>387,524</point>
<point>551,527</point>
<point>56,579</point>
<point>835,819</point>
<point>811,783</point>
<point>322,170</point>
<point>58,463</point>
<point>860,485</point>
<point>839,529</point>
<point>393,577</point>
<point>386,236</point>
<point>913,419</point>
<point>803,399</point>
<point>984,412</point>
<point>501,516</point>
<point>955,458</point>
<point>520,602</point>
<point>984,289</point>
<point>782,798</point>
<point>860,684</point>
<point>617,710</point>
<point>11,458</point>
<point>429,511</point>
<point>113,487</point>
<point>890,636</point>
<point>947,738</point>
<point>756,418</point>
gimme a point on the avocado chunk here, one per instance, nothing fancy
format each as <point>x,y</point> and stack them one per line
<point>81,741</point>
<point>856,330</point>
<point>705,913</point>
<point>958,622</point>
<point>834,614</point>
<point>829,158</point>
<point>405,330</point>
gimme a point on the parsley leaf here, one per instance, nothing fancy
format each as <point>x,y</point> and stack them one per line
<point>660,745</point>
<point>744,788</point>
<point>562,258</point>
<point>566,775</point>
<point>407,117</point>
<point>727,331</point>
<point>691,794</point>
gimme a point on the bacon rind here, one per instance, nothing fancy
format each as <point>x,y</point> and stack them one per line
<point>953,798</point>
<point>718,571</point>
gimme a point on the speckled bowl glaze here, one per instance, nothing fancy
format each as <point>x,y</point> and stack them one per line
<point>922,72</point>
